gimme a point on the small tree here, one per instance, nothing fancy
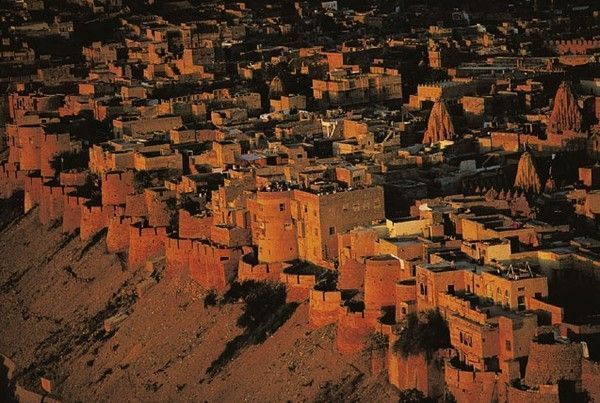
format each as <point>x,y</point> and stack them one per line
<point>327,280</point>
<point>69,160</point>
<point>141,181</point>
<point>413,396</point>
<point>422,334</point>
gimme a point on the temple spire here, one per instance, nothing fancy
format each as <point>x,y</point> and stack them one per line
<point>275,87</point>
<point>565,112</point>
<point>439,125</point>
<point>527,177</point>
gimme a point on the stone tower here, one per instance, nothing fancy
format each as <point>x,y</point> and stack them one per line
<point>565,112</point>
<point>439,125</point>
<point>527,177</point>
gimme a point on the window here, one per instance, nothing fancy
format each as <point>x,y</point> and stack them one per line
<point>521,302</point>
<point>466,339</point>
<point>508,345</point>
<point>331,230</point>
<point>224,258</point>
<point>521,289</point>
<point>450,288</point>
<point>281,207</point>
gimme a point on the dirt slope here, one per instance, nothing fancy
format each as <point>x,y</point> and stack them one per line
<point>57,291</point>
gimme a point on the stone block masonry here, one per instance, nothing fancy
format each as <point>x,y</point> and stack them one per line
<point>95,219</point>
<point>117,238</point>
<point>116,186</point>
<point>145,243</point>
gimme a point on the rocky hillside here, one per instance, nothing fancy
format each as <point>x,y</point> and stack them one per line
<point>72,313</point>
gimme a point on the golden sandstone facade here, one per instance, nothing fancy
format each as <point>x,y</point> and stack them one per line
<point>492,301</point>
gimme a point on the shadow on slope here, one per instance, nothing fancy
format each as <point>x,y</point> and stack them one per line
<point>265,310</point>
<point>11,209</point>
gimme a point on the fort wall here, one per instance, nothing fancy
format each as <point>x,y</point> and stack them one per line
<point>33,192</point>
<point>556,313</point>
<point>352,275</point>
<point>381,275</point>
<point>29,143</point>
<point>73,179</point>
<point>230,236</point>
<point>52,202</point>
<point>194,227</point>
<point>117,237</point>
<point>95,219</point>
<point>51,146</point>
<point>298,286</point>
<point>324,307</point>
<point>115,187</point>
<point>177,256</point>
<point>157,206</point>
<point>145,243</point>
<point>11,179</point>
<point>544,394</point>
<point>259,272</point>
<point>416,372</point>
<point>473,386</point>
<point>590,379</point>
<point>353,330</point>
<point>135,205</point>
<point>573,46</point>
<point>213,267</point>
<point>551,363</point>
<point>72,212</point>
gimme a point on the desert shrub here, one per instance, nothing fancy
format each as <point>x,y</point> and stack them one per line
<point>141,180</point>
<point>210,299</point>
<point>187,202</point>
